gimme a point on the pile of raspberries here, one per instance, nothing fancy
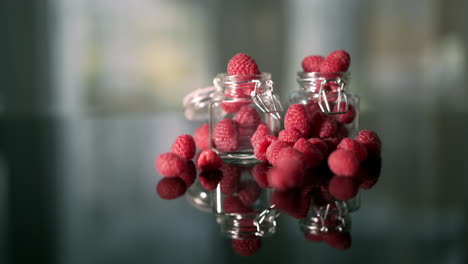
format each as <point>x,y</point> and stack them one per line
<point>311,157</point>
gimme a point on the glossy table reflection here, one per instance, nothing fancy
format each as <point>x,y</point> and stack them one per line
<point>83,191</point>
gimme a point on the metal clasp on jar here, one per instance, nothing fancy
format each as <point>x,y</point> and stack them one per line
<point>267,100</point>
<point>341,96</point>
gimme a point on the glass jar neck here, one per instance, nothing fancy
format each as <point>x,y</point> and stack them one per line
<point>240,86</point>
<point>315,82</point>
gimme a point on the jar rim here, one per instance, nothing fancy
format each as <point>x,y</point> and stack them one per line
<point>263,76</point>
<point>328,75</point>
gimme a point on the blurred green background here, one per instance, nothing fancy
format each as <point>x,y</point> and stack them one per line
<point>91,92</point>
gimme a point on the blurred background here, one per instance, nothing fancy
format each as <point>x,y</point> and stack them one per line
<point>91,92</point>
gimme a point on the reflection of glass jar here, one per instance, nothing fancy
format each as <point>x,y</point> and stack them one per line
<point>246,102</point>
<point>329,93</point>
<point>242,207</point>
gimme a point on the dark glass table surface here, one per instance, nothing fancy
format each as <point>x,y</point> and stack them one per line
<point>82,190</point>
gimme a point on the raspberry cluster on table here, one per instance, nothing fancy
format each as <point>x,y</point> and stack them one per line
<point>312,161</point>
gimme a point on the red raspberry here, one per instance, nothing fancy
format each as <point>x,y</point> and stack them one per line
<point>312,63</point>
<point>242,64</point>
<point>262,131</point>
<point>320,144</point>
<point>312,108</point>
<point>302,206</point>
<point>232,204</point>
<point>170,164</point>
<point>202,137</point>
<point>246,247</point>
<point>184,146</point>
<point>336,61</point>
<point>190,174</point>
<point>259,173</point>
<point>262,146</point>
<point>324,125</point>
<point>273,150</point>
<point>312,154</point>
<point>283,178</point>
<point>232,107</point>
<point>371,141</point>
<point>249,192</point>
<point>354,146</point>
<point>170,188</point>
<point>369,173</point>
<point>289,135</point>
<point>338,240</point>
<point>332,142</point>
<point>291,159</point>
<point>247,116</point>
<point>313,237</point>
<point>231,178</point>
<point>225,135</point>
<point>286,200</point>
<point>347,117</point>
<point>296,118</point>
<point>343,188</point>
<point>343,163</point>
<point>209,160</point>
<point>209,179</point>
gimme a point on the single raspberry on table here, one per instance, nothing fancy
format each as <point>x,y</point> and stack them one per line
<point>296,118</point>
<point>231,177</point>
<point>261,147</point>
<point>225,135</point>
<point>343,163</point>
<point>261,131</point>
<point>259,173</point>
<point>247,116</point>
<point>170,188</point>
<point>354,146</point>
<point>170,164</point>
<point>312,154</point>
<point>202,137</point>
<point>336,61</point>
<point>312,63</point>
<point>343,188</point>
<point>371,141</point>
<point>273,150</point>
<point>189,174</point>
<point>320,144</point>
<point>209,179</point>
<point>246,247</point>
<point>232,204</point>
<point>346,117</point>
<point>289,135</point>
<point>209,160</point>
<point>184,146</point>
<point>242,64</point>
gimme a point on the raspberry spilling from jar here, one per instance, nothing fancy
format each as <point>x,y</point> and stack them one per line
<point>312,63</point>
<point>242,64</point>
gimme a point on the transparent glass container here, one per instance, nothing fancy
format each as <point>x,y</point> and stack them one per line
<point>329,93</point>
<point>243,103</point>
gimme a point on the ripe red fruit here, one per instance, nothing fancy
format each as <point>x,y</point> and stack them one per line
<point>336,61</point>
<point>312,63</point>
<point>320,144</point>
<point>283,178</point>
<point>232,204</point>
<point>209,160</point>
<point>313,237</point>
<point>246,247</point>
<point>312,154</point>
<point>170,164</point>
<point>262,146</point>
<point>296,118</point>
<point>262,131</point>
<point>184,146</point>
<point>291,159</point>
<point>332,142</point>
<point>259,173</point>
<point>338,240</point>
<point>232,107</point>
<point>273,150</point>
<point>225,135</point>
<point>354,146</point>
<point>343,188</point>
<point>202,137</point>
<point>323,125</point>
<point>209,179</point>
<point>189,174</point>
<point>249,192</point>
<point>371,141</point>
<point>343,163</point>
<point>247,116</point>
<point>242,64</point>
<point>171,188</point>
<point>347,117</point>
<point>231,177</point>
<point>289,135</point>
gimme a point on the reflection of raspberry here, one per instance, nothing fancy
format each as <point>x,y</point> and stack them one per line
<point>312,63</point>
<point>230,180</point>
<point>371,141</point>
<point>343,188</point>
<point>225,135</point>
<point>262,146</point>
<point>170,188</point>
<point>354,146</point>
<point>338,240</point>
<point>249,192</point>
<point>283,179</point>
<point>274,149</point>
<point>232,107</point>
<point>202,137</point>
<point>262,131</point>
<point>247,116</point>
<point>347,117</point>
<point>296,118</point>
<point>189,174</point>
<point>232,204</point>
<point>259,173</point>
<point>209,160</point>
<point>320,144</point>
<point>289,135</point>
<point>312,154</point>
<point>336,61</point>
<point>286,200</point>
<point>184,146</point>
<point>313,237</point>
<point>242,64</point>
<point>246,247</point>
<point>209,179</point>
<point>343,162</point>
<point>170,164</point>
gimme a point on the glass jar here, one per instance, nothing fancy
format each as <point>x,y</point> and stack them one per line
<point>245,102</point>
<point>329,93</point>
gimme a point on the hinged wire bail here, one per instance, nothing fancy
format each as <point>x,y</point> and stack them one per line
<point>267,100</point>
